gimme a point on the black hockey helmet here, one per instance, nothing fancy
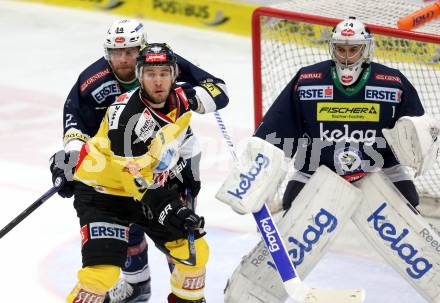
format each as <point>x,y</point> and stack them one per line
<point>156,54</point>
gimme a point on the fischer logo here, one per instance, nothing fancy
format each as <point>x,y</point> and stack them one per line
<point>368,137</point>
<point>407,252</point>
<point>316,92</point>
<point>389,78</point>
<point>348,32</point>
<point>156,57</point>
<point>386,94</point>
<point>261,161</point>
<point>310,76</point>
<point>269,231</point>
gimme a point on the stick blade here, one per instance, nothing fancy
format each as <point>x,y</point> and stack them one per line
<point>317,295</point>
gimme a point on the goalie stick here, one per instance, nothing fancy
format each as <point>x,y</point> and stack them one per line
<point>293,285</point>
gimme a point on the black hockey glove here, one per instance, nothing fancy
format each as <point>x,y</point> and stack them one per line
<point>186,174</point>
<point>168,210</point>
<point>191,95</point>
<point>62,167</point>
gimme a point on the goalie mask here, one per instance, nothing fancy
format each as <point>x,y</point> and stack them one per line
<point>351,48</point>
<point>124,34</point>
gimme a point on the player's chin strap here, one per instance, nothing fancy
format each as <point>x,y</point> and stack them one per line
<point>265,165</point>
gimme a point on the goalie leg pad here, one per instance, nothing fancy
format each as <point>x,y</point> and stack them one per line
<point>315,219</point>
<point>400,234</point>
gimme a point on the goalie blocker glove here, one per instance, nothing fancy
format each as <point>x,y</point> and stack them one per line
<point>62,166</point>
<point>167,209</point>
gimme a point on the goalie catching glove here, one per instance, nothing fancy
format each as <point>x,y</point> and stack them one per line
<point>165,207</point>
<point>261,169</point>
<point>415,142</point>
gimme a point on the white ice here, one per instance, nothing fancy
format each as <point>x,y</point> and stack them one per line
<point>42,51</point>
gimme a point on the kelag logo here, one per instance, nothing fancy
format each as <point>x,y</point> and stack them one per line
<point>324,222</point>
<point>387,231</point>
<point>203,13</point>
<point>261,161</point>
<point>269,231</point>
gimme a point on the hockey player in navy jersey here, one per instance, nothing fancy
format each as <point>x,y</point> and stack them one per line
<point>96,89</point>
<point>340,107</point>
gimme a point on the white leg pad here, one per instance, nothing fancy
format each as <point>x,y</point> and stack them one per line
<point>315,219</point>
<point>400,234</point>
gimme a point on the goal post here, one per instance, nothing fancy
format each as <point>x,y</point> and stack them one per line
<point>295,34</point>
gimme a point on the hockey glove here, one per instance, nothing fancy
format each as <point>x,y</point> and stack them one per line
<point>168,210</point>
<point>191,95</point>
<point>186,174</point>
<point>62,167</point>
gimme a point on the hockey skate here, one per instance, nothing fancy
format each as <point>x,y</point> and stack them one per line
<point>125,292</point>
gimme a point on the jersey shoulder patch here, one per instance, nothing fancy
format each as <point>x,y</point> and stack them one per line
<point>115,110</point>
<point>94,75</point>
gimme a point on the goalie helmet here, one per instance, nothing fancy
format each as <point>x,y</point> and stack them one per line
<point>351,47</point>
<point>123,34</point>
<point>156,54</point>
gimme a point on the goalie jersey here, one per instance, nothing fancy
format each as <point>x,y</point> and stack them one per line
<point>136,143</point>
<point>326,123</point>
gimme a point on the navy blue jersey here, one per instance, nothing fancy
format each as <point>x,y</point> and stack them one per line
<point>325,123</point>
<point>97,88</point>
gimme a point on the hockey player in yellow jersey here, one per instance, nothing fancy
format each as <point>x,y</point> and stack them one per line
<point>128,174</point>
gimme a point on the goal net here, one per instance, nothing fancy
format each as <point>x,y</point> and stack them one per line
<point>293,34</point>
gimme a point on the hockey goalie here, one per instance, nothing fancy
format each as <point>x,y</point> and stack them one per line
<point>350,124</point>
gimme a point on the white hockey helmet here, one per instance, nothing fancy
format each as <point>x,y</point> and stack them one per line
<point>351,32</point>
<point>124,33</point>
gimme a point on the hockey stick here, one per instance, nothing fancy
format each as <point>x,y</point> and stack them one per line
<point>31,208</point>
<point>293,285</point>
